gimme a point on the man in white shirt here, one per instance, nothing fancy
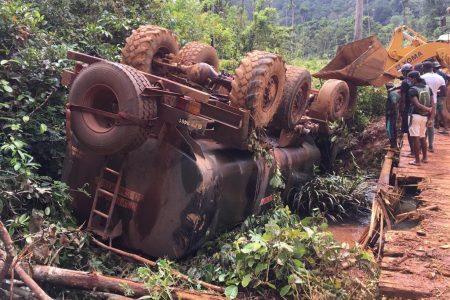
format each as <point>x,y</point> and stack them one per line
<point>434,81</point>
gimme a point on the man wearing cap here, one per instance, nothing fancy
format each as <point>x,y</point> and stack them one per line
<point>441,95</point>
<point>405,103</point>
<point>392,114</point>
<point>435,82</point>
<point>422,108</point>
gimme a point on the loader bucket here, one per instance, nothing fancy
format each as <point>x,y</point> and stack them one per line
<point>358,62</point>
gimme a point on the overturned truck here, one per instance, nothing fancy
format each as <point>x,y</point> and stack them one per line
<point>164,143</point>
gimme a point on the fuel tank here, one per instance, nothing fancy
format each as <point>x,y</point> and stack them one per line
<point>175,194</point>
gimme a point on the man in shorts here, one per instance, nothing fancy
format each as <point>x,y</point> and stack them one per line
<point>421,115</point>
<point>435,82</point>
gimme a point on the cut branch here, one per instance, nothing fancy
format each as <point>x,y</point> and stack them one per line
<point>153,264</point>
<point>6,266</point>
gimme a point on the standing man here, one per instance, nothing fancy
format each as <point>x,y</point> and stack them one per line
<point>392,101</point>
<point>441,96</point>
<point>435,82</point>
<point>422,108</point>
<point>405,103</point>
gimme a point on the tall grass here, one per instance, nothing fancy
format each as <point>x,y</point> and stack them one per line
<point>336,197</point>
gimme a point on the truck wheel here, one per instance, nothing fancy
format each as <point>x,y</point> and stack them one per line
<point>196,52</point>
<point>353,92</point>
<point>113,88</point>
<point>295,98</point>
<point>332,101</point>
<point>258,85</point>
<point>146,43</point>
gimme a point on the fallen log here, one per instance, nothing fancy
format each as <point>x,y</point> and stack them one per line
<point>93,281</point>
<point>153,264</point>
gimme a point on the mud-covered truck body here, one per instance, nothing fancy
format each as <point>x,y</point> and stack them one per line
<point>171,152</point>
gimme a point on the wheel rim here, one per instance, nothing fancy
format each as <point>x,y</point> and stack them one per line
<point>160,54</point>
<point>103,98</point>
<point>270,93</point>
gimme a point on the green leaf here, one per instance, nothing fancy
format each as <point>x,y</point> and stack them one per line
<point>231,292</point>
<point>7,89</point>
<point>299,264</point>
<point>26,119</point>
<point>43,128</point>
<point>47,211</point>
<point>23,218</point>
<point>285,290</point>
<point>15,127</point>
<point>246,280</point>
<point>260,267</point>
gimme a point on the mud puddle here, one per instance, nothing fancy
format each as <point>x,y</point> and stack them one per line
<point>350,230</point>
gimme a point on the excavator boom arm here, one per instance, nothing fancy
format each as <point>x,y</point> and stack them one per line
<point>439,50</point>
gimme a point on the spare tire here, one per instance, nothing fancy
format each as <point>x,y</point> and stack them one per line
<point>146,43</point>
<point>258,85</point>
<point>331,102</point>
<point>196,52</point>
<point>113,88</point>
<point>295,98</point>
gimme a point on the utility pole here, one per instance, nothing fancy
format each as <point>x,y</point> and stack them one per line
<point>404,3</point>
<point>358,20</point>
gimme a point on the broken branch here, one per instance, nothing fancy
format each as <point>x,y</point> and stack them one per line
<point>6,238</point>
<point>153,264</point>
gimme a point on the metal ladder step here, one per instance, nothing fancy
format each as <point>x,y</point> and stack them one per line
<point>105,192</point>
<point>103,230</point>
<point>101,214</point>
<point>112,171</point>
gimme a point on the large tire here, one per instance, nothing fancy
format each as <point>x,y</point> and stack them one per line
<point>353,99</point>
<point>295,98</point>
<point>146,43</point>
<point>332,101</point>
<point>196,52</point>
<point>114,88</point>
<point>258,85</point>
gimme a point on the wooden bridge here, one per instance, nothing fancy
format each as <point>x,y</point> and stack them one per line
<point>416,262</point>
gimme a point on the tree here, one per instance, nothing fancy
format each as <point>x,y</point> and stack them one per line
<point>358,20</point>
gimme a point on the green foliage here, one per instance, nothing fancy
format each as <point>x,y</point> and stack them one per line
<point>162,278</point>
<point>371,104</point>
<point>334,196</point>
<point>279,254</point>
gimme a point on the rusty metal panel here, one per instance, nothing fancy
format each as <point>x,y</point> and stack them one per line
<point>359,62</point>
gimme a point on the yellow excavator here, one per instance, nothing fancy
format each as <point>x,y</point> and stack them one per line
<point>367,62</point>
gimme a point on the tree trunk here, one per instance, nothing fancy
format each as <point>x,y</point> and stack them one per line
<point>100,283</point>
<point>405,20</point>
<point>358,20</point>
